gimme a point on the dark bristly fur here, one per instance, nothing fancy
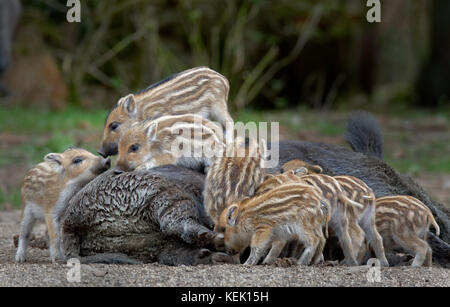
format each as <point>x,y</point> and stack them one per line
<point>379,176</point>
<point>334,160</point>
<point>364,134</point>
<point>155,215</point>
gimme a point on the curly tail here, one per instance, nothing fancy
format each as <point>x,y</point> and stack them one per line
<point>347,200</point>
<point>435,225</point>
<point>326,210</point>
<point>364,134</point>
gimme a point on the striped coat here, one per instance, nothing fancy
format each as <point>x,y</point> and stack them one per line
<point>288,212</point>
<point>200,91</point>
<point>186,140</point>
<point>403,221</point>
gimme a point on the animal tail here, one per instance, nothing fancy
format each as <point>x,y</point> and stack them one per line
<point>326,210</point>
<point>435,225</point>
<point>345,199</point>
<point>364,134</point>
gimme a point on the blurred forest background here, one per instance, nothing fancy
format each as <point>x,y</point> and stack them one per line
<point>304,63</point>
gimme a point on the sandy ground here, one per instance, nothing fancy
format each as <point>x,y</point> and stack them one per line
<point>38,271</point>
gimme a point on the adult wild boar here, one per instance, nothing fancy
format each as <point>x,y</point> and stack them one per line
<point>9,16</point>
<point>158,215</point>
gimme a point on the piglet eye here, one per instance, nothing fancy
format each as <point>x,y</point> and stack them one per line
<point>134,148</point>
<point>77,160</point>
<point>113,126</point>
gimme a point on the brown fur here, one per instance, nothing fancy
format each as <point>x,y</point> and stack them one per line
<point>153,141</point>
<point>270,220</point>
<point>272,181</point>
<point>403,222</point>
<point>339,204</point>
<point>360,192</point>
<point>199,90</point>
<point>48,186</point>
<point>233,177</point>
<point>361,220</point>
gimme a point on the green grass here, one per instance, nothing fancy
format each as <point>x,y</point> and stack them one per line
<point>18,119</point>
<point>422,152</point>
<point>47,131</point>
<point>432,157</point>
<point>12,198</point>
<point>295,120</point>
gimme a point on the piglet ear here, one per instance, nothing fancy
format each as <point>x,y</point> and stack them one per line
<point>128,104</point>
<point>230,218</point>
<point>268,176</point>
<point>316,169</point>
<point>151,131</point>
<point>53,157</point>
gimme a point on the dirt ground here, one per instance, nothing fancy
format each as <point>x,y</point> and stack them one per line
<point>38,271</point>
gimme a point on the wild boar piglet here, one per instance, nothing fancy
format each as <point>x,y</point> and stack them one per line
<point>342,222</point>
<point>199,90</point>
<point>186,140</point>
<point>234,175</point>
<point>362,226</point>
<point>403,222</point>
<point>288,212</point>
<point>47,189</point>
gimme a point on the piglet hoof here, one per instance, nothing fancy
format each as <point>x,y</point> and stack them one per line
<point>346,262</point>
<point>203,253</point>
<point>384,263</point>
<point>20,257</point>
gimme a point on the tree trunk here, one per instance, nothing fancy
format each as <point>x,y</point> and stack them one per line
<point>434,82</point>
